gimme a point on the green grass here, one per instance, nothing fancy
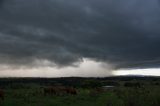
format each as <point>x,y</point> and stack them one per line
<point>121,96</point>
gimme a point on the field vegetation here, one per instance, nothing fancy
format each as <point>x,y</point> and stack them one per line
<point>90,92</point>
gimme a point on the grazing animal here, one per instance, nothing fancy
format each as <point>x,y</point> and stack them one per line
<point>71,90</point>
<point>59,90</point>
<point>1,94</point>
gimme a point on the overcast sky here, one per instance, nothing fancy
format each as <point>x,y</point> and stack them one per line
<point>91,37</point>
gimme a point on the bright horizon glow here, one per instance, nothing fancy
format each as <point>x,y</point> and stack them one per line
<point>145,72</point>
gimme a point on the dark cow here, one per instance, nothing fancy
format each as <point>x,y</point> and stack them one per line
<point>1,94</point>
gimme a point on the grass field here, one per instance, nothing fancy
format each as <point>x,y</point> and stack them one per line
<point>31,94</point>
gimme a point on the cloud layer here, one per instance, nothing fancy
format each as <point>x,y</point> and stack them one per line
<point>123,33</point>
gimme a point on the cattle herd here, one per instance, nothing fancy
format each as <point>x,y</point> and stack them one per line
<point>66,90</point>
<point>51,90</point>
<point>59,90</point>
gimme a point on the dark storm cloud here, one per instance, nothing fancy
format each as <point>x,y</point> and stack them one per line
<point>1,3</point>
<point>124,33</point>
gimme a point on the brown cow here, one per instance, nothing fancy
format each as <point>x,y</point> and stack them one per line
<point>54,90</point>
<point>1,94</point>
<point>71,90</point>
<point>59,90</point>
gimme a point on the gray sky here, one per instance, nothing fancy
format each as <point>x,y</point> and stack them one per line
<point>120,34</point>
